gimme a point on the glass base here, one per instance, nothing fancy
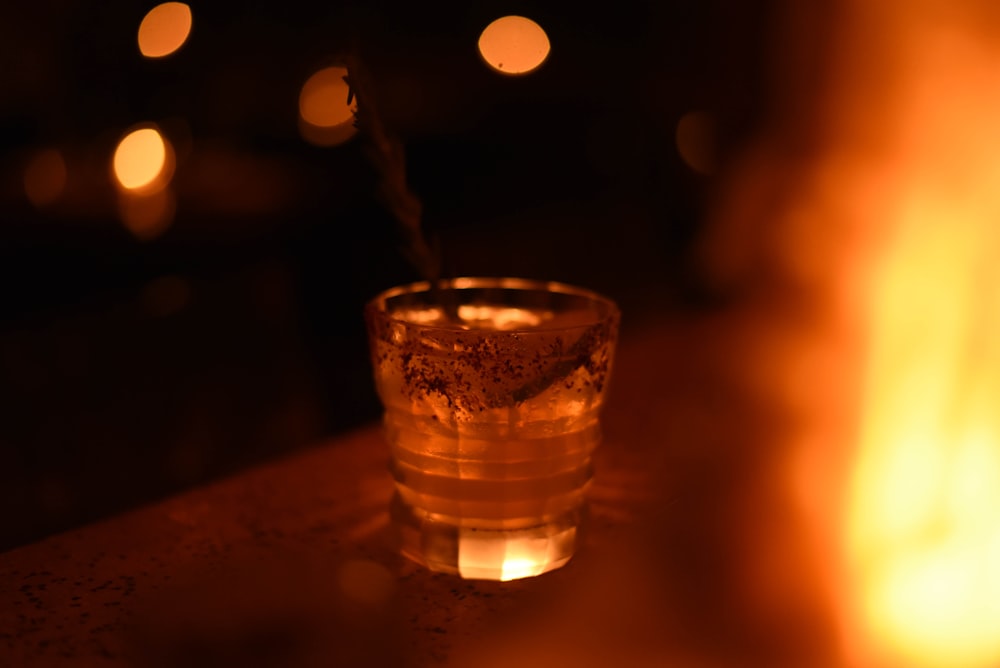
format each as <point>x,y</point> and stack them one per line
<point>477,552</point>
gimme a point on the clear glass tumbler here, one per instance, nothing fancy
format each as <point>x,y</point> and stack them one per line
<point>491,389</point>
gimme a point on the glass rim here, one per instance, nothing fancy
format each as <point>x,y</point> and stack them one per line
<point>377,304</point>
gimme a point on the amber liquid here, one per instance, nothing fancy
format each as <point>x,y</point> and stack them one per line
<point>498,506</point>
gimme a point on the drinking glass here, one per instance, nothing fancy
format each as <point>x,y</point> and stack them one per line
<point>491,389</point>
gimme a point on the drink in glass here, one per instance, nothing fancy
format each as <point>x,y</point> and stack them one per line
<point>491,389</point>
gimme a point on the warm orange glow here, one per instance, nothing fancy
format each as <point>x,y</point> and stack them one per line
<point>147,215</point>
<point>325,117</point>
<point>45,177</point>
<point>694,139</point>
<point>164,29</point>
<point>924,522</point>
<point>514,45</point>
<point>485,556</point>
<point>366,582</point>
<point>515,568</point>
<point>923,516</point>
<point>142,160</point>
<point>323,100</point>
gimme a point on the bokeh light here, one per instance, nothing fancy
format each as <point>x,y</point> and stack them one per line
<point>695,139</point>
<point>142,160</point>
<point>514,45</point>
<point>45,177</point>
<point>325,117</point>
<point>142,167</point>
<point>147,215</point>
<point>164,29</point>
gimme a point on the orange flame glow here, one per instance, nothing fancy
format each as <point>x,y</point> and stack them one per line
<point>922,531</point>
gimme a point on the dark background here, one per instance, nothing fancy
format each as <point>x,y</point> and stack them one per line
<point>130,369</point>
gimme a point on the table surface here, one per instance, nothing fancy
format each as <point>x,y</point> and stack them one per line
<point>695,555</point>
